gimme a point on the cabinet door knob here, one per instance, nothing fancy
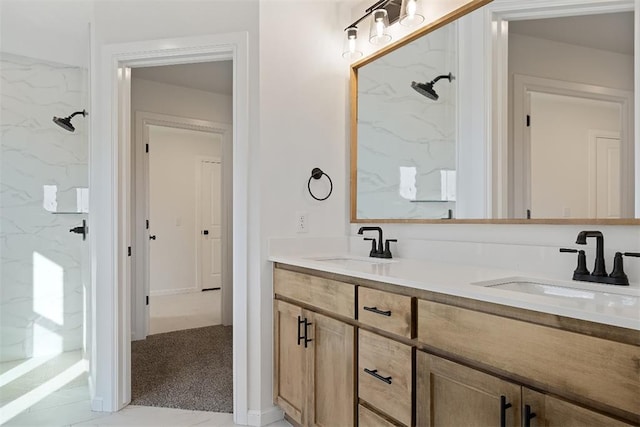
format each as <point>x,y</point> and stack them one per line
<point>300,322</point>
<point>504,405</point>
<point>528,416</point>
<point>374,373</point>
<point>307,340</point>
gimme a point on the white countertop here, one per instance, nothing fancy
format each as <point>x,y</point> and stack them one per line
<point>458,280</point>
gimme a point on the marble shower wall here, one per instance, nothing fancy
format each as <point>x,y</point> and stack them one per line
<point>41,276</point>
<point>406,140</point>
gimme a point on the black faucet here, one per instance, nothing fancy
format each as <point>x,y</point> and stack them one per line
<point>599,273</point>
<point>599,268</point>
<point>382,251</point>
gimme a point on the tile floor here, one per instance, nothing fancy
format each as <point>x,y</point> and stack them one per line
<point>184,311</point>
<point>53,392</point>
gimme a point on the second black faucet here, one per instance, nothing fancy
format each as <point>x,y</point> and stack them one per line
<point>381,251</point>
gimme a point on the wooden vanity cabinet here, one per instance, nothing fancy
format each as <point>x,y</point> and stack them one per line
<point>314,359</point>
<point>449,394</point>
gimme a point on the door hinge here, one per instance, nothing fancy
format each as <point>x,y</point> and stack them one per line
<point>146,148</point>
<point>528,120</point>
<point>147,299</point>
<point>147,224</point>
<point>129,251</point>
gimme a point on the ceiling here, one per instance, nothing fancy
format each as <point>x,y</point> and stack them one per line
<point>216,77</point>
<point>611,31</point>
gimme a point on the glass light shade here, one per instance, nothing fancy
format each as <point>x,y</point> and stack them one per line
<point>379,31</point>
<point>410,13</point>
<point>350,50</point>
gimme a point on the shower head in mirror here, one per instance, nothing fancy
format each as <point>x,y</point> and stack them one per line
<point>427,89</point>
<point>65,122</point>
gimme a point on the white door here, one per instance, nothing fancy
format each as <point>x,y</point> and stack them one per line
<point>211,224</point>
<point>607,177</point>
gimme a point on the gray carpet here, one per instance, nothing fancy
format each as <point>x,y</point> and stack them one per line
<point>191,369</point>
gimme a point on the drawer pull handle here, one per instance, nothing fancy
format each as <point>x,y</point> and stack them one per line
<point>503,410</point>
<point>375,374</point>
<point>375,310</point>
<point>528,416</point>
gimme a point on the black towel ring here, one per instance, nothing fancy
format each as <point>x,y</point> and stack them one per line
<point>317,173</point>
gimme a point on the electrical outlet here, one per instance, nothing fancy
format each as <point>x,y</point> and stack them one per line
<point>302,222</point>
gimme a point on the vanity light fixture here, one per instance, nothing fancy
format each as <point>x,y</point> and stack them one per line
<point>410,13</point>
<point>350,50</point>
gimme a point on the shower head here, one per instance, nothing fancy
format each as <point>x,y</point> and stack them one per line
<point>65,122</point>
<point>427,90</point>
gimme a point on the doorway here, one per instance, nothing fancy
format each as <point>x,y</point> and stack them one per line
<point>182,353</point>
<point>111,353</point>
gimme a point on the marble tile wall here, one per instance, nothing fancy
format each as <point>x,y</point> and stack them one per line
<point>405,139</point>
<point>41,262</point>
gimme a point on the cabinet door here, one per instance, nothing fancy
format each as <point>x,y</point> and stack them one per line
<point>449,394</point>
<point>331,372</point>
<point>552,412</point>
<point>289,376</point>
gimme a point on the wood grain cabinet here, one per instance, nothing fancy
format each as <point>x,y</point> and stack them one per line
<point>354,352</point>
<point>313,367</point>
<point>449,394</point>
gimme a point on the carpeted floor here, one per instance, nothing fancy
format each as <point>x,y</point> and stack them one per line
<point>190,369</point>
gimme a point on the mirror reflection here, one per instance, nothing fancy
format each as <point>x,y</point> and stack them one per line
<point>570,130</point>
<point>407,130</point>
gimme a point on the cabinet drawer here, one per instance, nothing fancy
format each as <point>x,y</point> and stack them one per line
<point>330,295</point>
<point>386,311</point>
<point>384,373</point>
<point>367,418</point>
<point>602,371</point>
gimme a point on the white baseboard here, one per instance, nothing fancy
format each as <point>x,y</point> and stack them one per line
<point>173,291</point>
<point>96,404</point>
<point>266,417</point>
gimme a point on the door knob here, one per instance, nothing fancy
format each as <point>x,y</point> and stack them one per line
<point>82,229</point>
<point>152,237</point>
<point>205,232</point>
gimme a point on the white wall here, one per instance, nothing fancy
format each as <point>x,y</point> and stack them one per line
<point>561,61</point>
<point>41,264</point>
<point>173,171</point>
<point>161,98</point>
<point>560,156</point>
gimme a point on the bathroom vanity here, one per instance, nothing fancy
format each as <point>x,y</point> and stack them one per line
<point>407,342</point>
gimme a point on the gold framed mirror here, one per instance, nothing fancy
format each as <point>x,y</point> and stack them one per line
<point>406,169</point>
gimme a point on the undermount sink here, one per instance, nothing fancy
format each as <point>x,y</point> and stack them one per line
<point>605,295</point>
<point>346,260</point>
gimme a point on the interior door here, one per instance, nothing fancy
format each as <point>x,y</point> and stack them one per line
<point>211,224</point>
<point>607,177</point>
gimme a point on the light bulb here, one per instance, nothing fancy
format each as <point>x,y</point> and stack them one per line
<point>350,50</point>
<point>379,29</point>
<point>410,13</point>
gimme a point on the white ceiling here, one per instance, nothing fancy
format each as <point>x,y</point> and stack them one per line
<point>612,31</point>
<point>216,77</point>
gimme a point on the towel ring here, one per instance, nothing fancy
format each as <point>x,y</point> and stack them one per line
<point>317,173</point>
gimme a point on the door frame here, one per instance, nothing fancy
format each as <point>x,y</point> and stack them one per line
<point>110,358</point>
<point>140,258</point>
<point>522,86</point>
<point>496,46</point>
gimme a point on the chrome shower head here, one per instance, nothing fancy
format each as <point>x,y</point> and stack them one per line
<point>65,122</point>
<point>427,90</point>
